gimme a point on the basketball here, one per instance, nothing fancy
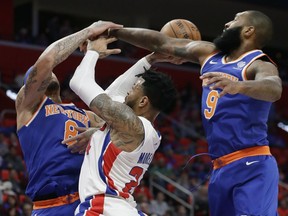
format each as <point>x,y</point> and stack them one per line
<point>181,28</point>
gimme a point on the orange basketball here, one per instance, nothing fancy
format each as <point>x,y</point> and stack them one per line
<point>181,28</point>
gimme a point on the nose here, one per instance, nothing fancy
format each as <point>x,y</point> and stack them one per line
<point>226,26</point>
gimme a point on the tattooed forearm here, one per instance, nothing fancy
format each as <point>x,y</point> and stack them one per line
<point>116,114</point>
<point>67,45</point>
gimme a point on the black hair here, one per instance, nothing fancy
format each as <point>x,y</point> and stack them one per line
<point>263,26</point>
<point>160,90</point>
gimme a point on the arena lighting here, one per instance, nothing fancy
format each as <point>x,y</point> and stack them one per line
<point>12,95</point>
<point>283,126</point>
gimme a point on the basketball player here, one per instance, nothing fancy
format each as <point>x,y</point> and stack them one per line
<point>239,84</point>
<point>43,122</point>
<point>120,152</point>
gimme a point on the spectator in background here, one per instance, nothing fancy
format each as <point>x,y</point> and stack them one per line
<point>143,190</point>
<point>27,208</point>
<point>24,36</point>
<point>65,28</point>
<point>10,206</point>
<point>53,29</point>
<point>159,206</point>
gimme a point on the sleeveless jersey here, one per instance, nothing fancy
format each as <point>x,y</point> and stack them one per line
<point>232,122</point>
<point>50,165</point>
<point>108,170</point>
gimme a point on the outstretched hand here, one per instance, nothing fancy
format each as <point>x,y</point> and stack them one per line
<point>97,28</point>
<point>79,143</point>
<point>218,81</point>
<point>100,45</point>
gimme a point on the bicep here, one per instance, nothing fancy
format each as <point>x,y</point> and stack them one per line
<point>95,120</point>
<point>194,51</point>
<point>118,115</point>
<point>263,70</point>
<point>36,85</point>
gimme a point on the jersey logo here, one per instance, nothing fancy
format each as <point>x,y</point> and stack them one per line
<point>251,162</point>
<point>212,62</point>
<point>240,65</point>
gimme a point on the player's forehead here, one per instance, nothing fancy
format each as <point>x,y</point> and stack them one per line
<point>241,14</point>
<point>139,81</point>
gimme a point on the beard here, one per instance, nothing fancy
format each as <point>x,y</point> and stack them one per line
<point>229,41</point>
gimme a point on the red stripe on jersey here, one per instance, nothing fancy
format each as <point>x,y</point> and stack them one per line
<point>109,157</point>
<point>97,206</point>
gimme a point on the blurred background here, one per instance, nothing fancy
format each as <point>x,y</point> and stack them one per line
<point>172,186</point>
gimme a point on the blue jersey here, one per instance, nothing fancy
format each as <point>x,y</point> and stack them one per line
<point>233,122</point>
<point>52,169</point>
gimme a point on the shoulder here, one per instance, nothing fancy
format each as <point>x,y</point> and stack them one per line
<point>150,133</point>
<point>261,67</point>
<point>201,50</point>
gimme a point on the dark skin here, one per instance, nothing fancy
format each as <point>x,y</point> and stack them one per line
<point>263,78</point>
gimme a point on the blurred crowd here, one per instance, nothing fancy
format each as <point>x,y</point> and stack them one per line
<point>182,137</point>
<point>57,27</point>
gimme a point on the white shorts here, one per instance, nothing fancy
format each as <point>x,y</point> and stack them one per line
<point>108,206</point>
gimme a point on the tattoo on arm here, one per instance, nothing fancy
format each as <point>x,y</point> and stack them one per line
<point>31,80</point>
<point>117,115</point>
<point>68,45</point>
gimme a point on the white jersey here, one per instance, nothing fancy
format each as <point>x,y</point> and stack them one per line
<point>110,171</point>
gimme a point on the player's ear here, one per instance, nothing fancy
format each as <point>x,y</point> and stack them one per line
<point>249,30</point>
<point>143,101</point>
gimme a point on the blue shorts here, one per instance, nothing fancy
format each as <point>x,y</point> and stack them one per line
<point>63,210</point>
<point>246,187</point>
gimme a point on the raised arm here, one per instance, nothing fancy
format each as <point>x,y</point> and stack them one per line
<point>127,128</point>
<point>193,51</point>
<point>41,72</point>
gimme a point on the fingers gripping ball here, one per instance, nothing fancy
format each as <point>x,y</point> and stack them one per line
<point>181,28</point>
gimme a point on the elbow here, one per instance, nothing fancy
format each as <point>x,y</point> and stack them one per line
<point>276,93</point>
<point>46,61</point>
<point>276,90</point>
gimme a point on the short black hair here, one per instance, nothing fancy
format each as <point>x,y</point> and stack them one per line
<point>263,26</point>
<point>160,90</point>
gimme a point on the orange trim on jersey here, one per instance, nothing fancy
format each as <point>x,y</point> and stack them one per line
<point>240,57</point>
<point>59,201</point>
<point>37,111</point>
<point>207,58</point>
<point>244,76</point>
<point>229,158</point>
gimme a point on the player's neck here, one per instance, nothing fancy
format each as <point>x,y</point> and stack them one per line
<point>234,55</point>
